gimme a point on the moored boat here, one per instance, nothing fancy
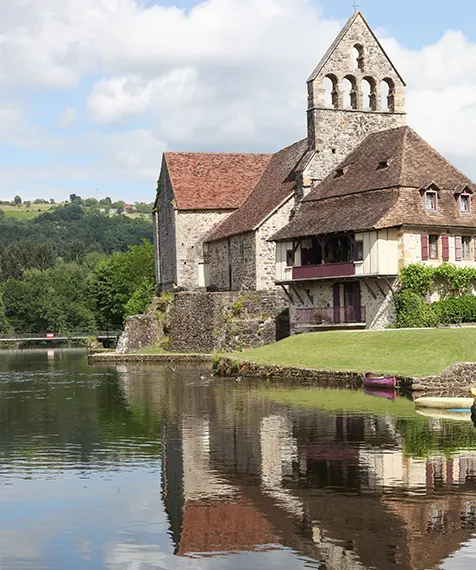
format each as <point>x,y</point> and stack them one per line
<point>461,416</point>
<point>444,403</point>
<point>375,381</point>
<point>381,393</point>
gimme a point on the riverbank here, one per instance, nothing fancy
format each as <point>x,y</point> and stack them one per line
<point>406,353</point>
<point>158,358</point>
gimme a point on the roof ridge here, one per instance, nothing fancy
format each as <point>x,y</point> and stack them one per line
<point>218,153</point>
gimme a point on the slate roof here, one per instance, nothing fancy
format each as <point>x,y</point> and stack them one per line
<point>380,185</point>
<point>276,185</point>
<point>213,181</point>
<point>337,41</point>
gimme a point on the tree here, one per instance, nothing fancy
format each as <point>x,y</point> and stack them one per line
<point>52,201</point>
<point>2,214</point>
<point>115,281</point>
<point>17,200</point>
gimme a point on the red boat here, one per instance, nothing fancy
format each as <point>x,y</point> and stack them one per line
<point>381,393</point>
<point>375,381</point>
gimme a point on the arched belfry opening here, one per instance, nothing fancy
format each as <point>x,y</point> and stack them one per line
<point>349,88</point>
<point>358,57</point>
<point>331,86</point>
<point>369,94</point>
<point>387,95</point>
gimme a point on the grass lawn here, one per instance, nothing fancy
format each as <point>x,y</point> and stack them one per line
<point>340,400</point>
<point>21,212</point>
<point>400,352</point>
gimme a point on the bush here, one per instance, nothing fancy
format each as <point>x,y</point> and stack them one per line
<point>458,310</point>
<point>413,311</point>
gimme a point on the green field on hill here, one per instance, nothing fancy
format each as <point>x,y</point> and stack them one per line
<point>401,352</point>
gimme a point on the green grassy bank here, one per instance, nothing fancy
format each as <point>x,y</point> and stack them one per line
<point>401,352</point>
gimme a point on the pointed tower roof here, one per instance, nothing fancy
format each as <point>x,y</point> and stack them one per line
<point>345,30</point>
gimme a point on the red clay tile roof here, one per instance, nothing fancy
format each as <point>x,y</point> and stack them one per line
<point>277,183</point>
<point>224,526</point>
<point>213,181</point>
<point>364,193</point>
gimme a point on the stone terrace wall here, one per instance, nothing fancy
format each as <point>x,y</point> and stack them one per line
<point>210,322</point>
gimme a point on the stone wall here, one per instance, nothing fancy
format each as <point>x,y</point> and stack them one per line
<point>265,250</point>
<point>232,259</point>
<point>210,322</point>
<point>192,227</point>
<point>141,331</point>
<point>454,381</point>
<point>166,252</point>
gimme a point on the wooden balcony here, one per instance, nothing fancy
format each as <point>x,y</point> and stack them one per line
<point>323,271</point>
<point>328,316</point>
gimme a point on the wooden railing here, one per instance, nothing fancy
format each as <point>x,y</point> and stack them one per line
<point>314,316</point>
<point>325,270</point>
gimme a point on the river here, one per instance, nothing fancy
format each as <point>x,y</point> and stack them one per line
<point>152,468</point>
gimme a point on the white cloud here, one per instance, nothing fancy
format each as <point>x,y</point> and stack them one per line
<point>224,75</point>
<point>68,117</point>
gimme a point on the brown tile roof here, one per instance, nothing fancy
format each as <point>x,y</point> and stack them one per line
<point>213,181</point>
<point>364,193</point>
<point>224,526</point>
<point>274,187</point>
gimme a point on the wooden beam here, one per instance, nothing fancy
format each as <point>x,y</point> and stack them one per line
<point>291,300</point>
<point>295,291</point>
<point>389,286</point>
<point>380,288</point>
<point>372,292</point>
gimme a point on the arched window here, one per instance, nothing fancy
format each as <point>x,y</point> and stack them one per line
<point>349,87</point>
<point>332,94</point>
<point>358,57</point>
<point>369,94</point>
<point>387,95</point>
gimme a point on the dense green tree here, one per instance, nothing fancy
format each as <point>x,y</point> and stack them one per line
<point>116,280</point>
<point>2,214</point>
<point>17,200</point>
<point>51,300</point>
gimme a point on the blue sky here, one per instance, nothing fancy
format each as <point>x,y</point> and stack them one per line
<point>93,92</point>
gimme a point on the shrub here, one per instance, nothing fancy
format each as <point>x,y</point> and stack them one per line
<point>458,310</point>
<point>413,311</point>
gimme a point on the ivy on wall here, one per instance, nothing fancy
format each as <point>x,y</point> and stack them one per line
<point>455,286</point>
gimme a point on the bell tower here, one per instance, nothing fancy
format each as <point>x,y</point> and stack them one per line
<point>355,90</point>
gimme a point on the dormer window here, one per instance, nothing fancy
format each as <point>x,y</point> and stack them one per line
<point>383,164</point>
<point>465,203</point>
<point>339,172</point>
<point>430,200</point>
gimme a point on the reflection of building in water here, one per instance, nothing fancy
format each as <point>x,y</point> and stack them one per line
<point>241,473</point>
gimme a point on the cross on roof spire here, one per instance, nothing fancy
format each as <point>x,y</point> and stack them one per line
<point>356,6</point>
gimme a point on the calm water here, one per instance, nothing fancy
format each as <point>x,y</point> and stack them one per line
<point>144,468</point>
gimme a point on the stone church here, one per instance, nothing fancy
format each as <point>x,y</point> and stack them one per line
<point>329,219</point>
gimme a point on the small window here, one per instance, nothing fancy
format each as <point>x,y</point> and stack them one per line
<point>433,246</point>
<point>430,201</point>
<point>466,247</point>
<point>465,204</point>
<point>290,258</point>
<point>339,172</point>
<point>359,251</point>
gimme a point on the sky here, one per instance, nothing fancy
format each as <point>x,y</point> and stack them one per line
<point>92,92</point>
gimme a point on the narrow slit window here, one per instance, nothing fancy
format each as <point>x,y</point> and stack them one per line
<point>465,204</point>
<point>466,247</point>
<point>433,246</point>
<point>289,258</point>
<point>430,201</point>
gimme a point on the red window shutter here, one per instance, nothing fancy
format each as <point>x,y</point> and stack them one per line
<point>425,248</point>
<point>446,247</point>
<point>458,248</point>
